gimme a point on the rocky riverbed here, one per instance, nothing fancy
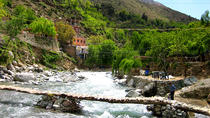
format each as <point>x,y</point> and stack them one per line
<point>94,83</point>
<point>34,74</point>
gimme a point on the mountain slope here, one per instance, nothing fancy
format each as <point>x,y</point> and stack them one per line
<point>152,9</point>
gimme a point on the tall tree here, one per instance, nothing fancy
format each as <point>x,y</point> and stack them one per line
<point>205,18</point>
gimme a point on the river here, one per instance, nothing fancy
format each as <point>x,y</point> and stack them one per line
<point>21,105</point>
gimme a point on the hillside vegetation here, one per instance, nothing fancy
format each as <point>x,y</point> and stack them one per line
<point>105,25</point>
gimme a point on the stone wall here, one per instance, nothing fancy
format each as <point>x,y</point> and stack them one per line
<point>167,111</point>
<point>195,68</point>
<point>158,87</point>
<point>46,43</point>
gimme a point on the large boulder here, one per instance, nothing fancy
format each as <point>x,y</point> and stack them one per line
<point>130,83</point>
<point>208,99</point>
<point>24,77</point>
<point>190,81</point>
<point>149,90</point>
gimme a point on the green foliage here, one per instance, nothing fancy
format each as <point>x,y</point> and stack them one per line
<point>49,59</point>
<point>21,18</point>
<point>43,26</point>
<point>95,39</point>
<point>2,11</point>
<point>205,18</point>
<point>101,54</point>
<point>120,35</point>
<point>65,32</point>
<point>135,39</point>
<point>14,26</point>
<point>5,57</point>
<point>7,3</point>
<point>25,14</point>
<point>127,64</point>
<point>17,47</point>
<point>125,59</point>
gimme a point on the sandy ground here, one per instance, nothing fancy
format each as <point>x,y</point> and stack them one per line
<point>158,79</point>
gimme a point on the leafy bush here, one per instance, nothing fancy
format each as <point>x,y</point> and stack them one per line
<point>49,59</point>
<point>43,26</point>
<point>65,32</point>
<point>25,14</point>
<point>127,64</point>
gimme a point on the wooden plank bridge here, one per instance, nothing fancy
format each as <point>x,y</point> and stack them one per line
<point>137,100</point>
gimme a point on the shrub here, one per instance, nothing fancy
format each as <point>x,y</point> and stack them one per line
<point>49,59</point>
<point>43,26</point>
<point>65,32</point>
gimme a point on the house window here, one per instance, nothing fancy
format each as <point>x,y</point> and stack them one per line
<point>81,41</point>
<point>78,41</point>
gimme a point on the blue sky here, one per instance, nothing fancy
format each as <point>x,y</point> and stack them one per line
<point>194,8</point>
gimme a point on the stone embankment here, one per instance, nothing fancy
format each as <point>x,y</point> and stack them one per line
<point>142,86</point>
<point>145,86</point>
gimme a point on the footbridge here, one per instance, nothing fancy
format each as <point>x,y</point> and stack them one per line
<point>125,100</point>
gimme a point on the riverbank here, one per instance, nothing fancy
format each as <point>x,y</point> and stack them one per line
<point>147,86</point>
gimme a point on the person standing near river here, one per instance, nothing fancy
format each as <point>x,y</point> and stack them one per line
<point>172,90</point>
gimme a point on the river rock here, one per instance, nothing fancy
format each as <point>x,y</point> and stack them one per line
<point>47,73</point>
<point>18,69</point>
<point>59,103</point>
<point>10,73</point>
<point>10,67</point>
<point>167,111</point>
<point>20,64</point>
<point>190,81</point>
<point>130,83</point>
<point>24,77</point>
<point>121,81</point>
<point>15,63</point>
<point>10,53</point>
<point>30,68</point>
<point>149,90</point>
<point>81,77</point>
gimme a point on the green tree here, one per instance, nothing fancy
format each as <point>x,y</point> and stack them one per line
<point>101,54</point>
<point>65,32</point>
<point>107,52</point>
<point>135,39</point>
<point>43,26</point>
<point>127,64</point>
<point>205,18</point>
<point>120,36</point>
